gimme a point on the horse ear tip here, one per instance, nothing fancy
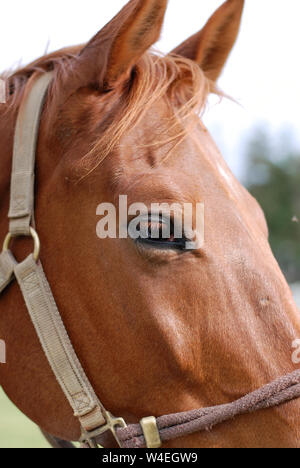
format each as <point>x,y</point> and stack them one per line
<point>235,3</point>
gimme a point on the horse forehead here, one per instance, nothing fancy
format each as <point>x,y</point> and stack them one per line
<point>156,144</point>
<point>185,169</point>
<point>142,177</point>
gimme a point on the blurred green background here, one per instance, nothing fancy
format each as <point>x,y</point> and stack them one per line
<point>272,174</point>
<point>15,429</point>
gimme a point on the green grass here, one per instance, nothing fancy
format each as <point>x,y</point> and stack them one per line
<point>17,431</point>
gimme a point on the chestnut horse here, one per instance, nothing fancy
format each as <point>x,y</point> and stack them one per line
<point>157,330</point>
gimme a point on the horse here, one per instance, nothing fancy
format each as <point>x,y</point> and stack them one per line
<point>156,328</point>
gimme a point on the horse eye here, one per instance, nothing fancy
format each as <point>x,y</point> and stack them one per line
<point>156,231</point>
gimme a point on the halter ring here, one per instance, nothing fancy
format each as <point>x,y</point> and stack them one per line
<point>36,240</point>
<point>90,438</point>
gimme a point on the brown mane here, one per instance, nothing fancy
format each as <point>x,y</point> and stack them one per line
<point>171,77</point>
<point>60,62</point>
<point>176,78</point>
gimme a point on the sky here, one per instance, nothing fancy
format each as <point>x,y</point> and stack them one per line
<point>262,74</point>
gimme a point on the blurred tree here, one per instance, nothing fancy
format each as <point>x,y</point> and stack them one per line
<point>273,178</point>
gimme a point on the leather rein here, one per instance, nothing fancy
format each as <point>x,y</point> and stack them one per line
<point>94,419</point>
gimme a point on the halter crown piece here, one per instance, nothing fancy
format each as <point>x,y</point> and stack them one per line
<point>93,417</point>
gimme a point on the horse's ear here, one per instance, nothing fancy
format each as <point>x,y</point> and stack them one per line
<point>211,46</point>
<point>111,54</point>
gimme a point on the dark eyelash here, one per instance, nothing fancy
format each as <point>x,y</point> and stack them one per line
<point>178,244</point>
<point>163,243</point>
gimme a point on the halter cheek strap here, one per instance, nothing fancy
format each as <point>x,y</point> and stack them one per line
<point>21,210</point>
<point>32,280</point>
<point>93,417</point>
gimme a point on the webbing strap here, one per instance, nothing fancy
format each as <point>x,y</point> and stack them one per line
<point>25,141</point>
<point>7,265</point>
<point>30,275</point>
<point>56,343</point>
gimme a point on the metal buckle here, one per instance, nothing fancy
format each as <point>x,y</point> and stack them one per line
<point>35,237</point>
<point>89,437</point>
<point>151,432</point>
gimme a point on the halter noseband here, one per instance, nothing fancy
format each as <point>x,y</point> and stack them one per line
<point>93,417</point>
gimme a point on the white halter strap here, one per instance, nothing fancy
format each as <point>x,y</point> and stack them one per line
<point>24,154</point>
<point>94,419</point>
